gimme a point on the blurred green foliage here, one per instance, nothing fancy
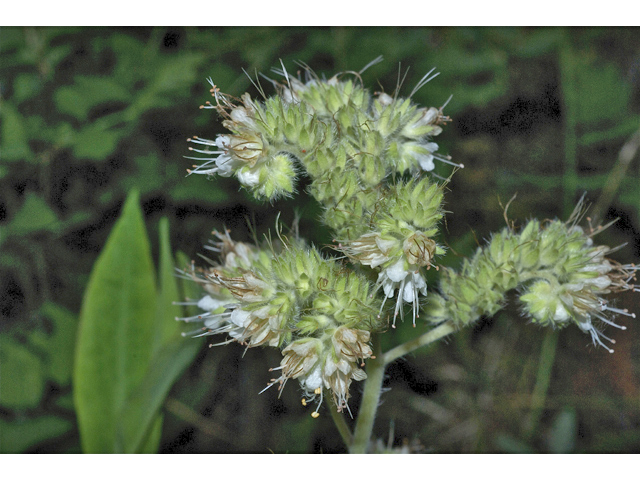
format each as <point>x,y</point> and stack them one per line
<point>90,114</point>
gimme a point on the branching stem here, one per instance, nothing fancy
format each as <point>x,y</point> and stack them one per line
<point>373,387</point>
<point>425,339</point>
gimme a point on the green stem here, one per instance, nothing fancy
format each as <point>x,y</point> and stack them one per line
<point>341,425</point>
<point>570,100</point>
<point>370,400</point>
<point>425,339</point>
<point>616,177</point>
<point>373,385</point>
<point>543,378</point>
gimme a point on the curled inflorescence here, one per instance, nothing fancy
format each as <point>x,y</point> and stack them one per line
<point>370,161</point>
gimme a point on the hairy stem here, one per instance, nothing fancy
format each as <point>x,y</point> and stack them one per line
<point>341,425</point>
<point>370,400</point>
<point>425,339</point>
<point>373,385</point>
<point>543,378</point>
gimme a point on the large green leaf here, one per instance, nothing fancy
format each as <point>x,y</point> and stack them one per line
<point>143,405</point>
<point>168,329</point>
<point>130,351</point>
<point>116,330</point>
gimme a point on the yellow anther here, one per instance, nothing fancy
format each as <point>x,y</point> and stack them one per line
<point>304,402</point>
<point>315,414</point>
<point>318,391</point>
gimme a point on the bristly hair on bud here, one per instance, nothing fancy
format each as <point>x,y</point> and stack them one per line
<point>582,275</point>
<point>370,161</point>
<point>562,278</point>
<point>288,296</point>
<point>308,121</point>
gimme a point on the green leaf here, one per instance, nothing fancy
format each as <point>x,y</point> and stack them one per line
<point>19,435</point>
<point>132,61</point>
<point>173,76</point>
<point>26,86</point>
<point>144,402</point>
<point>177,72</point>
<point>168,328</point>
<point>88,92</point>
<point>21,377</point>
<point>13,134</point>
<point>34,216</point>
<point>116,327</point>
<point>130,351</point>
<point>96,141</point>
<point>65,401</point>
<point>60,344</point>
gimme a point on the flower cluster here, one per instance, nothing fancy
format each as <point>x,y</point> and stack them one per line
<point>398,240</point>
<point>366,158</point>
<point>317,312</point>
<point>355,148</point>
<point>561,275</point>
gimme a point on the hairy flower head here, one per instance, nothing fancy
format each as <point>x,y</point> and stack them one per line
<point>577,295</point>
<point>332,361</point>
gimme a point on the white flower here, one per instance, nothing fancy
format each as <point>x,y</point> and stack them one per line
<point>222,142</point>
<point>429,117</point>
<point>210,304</point>
<point>222,164</point>
<point>385,99</point>
<point>425,157</point>
<point>561,314</point>
<point>369,249</point>
<point>586,326</point>
<point>423,154</point>
<point>312,380</point>
<point>240,317</point>
<point>249,177</point>
<point>213,323</point>
<point>409,284</point>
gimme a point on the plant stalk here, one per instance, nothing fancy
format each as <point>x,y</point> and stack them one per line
<point>375,376</point>
<point>543,379</point>
<point>425,339</point>
<point>341,425</point>
<point>370,400</point>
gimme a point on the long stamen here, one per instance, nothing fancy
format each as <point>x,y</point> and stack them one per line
<point>447,160</point>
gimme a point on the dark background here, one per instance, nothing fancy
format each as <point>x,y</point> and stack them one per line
<point>90,113</point>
